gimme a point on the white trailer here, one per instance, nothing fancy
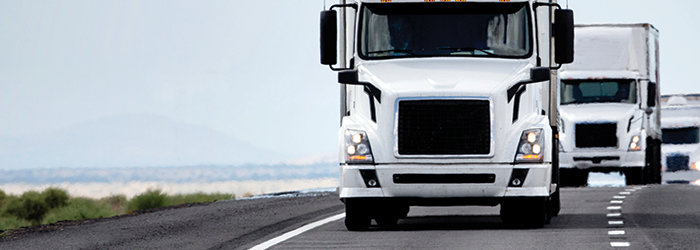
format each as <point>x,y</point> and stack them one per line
<point>610,120</point>
<point>447,103</point>
<point>680,124</point>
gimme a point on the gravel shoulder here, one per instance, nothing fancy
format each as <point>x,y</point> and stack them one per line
<point>233,224</point>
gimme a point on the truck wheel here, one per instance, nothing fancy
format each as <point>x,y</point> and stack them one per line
<point>657,163</point>
<point>634,176</point>
<point>509,213</point>
<point>652,159</point>
<point>391,215</point>
<point>530,212</point>
<point>555,203</point>
<point>536,214</point>
<point>356,216</point>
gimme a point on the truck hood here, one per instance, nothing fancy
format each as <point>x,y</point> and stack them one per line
<point>445,76</point>
<point>598,112</point>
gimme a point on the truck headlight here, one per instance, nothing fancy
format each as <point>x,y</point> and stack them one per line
<point>531,147</point>
<point>634,143</point>
<point>357,149</point>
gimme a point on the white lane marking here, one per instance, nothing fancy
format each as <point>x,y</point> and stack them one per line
<point>619,197</point>
<point>298,231</point>
<point>614,214</point>
<point>615,202</point>
<point>619,244</point>
<point>616,232</point>
<point>625,193</point>
<point>615,222</point>
<point>614,207</point>
<point>630,190</point>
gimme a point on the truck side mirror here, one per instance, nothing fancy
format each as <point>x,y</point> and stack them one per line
<point>564,36</point>
<point>651,94</point>
<point>329,37</point>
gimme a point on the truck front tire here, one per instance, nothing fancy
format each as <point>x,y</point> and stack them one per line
<point>529,212</point>
<point>356,216</point>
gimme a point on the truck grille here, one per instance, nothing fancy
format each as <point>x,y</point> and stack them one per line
<point>676,162</point>
<point>444,127</point>
<point>598,135</point>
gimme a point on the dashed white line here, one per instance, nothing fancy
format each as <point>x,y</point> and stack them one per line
<point>625,193</point>
<point>614,215</point>
<point>616,232</point>
<point>615,222</point>
<point>615,208</point>
<point>619,244</point>
<point>615,202</point>
<point>298,231</point>
<point>619,197</point>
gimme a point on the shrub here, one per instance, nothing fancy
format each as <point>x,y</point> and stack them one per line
<point>2,197</point>
<point>152,198</point>
<point>30,206</point>
<point>197,198</point>
<point>80,209</point>
<point>116,202</point>
<point>55,197</point>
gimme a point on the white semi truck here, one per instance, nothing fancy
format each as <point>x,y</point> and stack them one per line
<point>447,103</point>
<point>610,120</point>
<point>680,123</point>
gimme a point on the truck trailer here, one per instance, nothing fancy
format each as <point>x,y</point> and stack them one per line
<point>610,120</point>
<point>446,103</point>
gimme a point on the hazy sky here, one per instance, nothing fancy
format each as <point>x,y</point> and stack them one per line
<point>249,69</point>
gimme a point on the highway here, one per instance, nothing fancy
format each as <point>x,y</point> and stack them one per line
<point>662,216</point>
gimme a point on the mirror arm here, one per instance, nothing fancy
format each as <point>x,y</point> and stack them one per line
<point>352,5</point>
<point>350,77</point>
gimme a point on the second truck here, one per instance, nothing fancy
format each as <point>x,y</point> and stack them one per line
<point>610,112</point>
<point>447,103</point>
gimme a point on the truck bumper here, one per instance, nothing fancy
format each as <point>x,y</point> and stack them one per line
<point>445,181</point>
<point>602,159</point>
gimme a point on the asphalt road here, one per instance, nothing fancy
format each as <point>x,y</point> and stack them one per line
<point>642,217</point>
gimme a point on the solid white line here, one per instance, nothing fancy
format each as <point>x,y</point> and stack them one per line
<point>619,244</point>
<point>614,215</point>
<point>298,231</point>
<point>616,232</point>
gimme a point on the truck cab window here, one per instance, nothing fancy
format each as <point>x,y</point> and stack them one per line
<point>597,91</point>
<point>387,30</point>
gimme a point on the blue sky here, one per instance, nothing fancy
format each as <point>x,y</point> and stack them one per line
<point>249,69</point>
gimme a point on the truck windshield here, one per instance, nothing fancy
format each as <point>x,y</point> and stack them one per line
<point>595,91</point>
<point>390,30</point>
<point>680,135</point>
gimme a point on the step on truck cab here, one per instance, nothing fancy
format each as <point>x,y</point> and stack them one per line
<point>447,103</point>
<point>610,120</point>
<point>680,123</point>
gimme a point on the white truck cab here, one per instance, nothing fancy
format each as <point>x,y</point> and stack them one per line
<point>610,120</point>
<point>681,134</point>
<point>447,103</point>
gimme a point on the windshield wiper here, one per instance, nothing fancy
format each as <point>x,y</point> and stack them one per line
<point>410,52</point>
<point>458,49</point>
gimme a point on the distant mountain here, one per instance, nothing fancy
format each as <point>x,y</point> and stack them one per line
<point>130,141</point>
